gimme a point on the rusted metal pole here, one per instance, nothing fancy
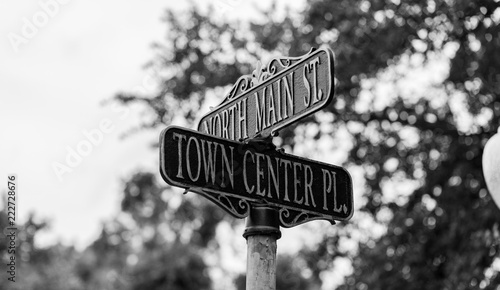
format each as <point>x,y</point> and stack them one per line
<point>262,231</point>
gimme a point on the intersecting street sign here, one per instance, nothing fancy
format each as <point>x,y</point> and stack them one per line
<point>231,160</point>
<point>275,96</point>
<point>234,174</point>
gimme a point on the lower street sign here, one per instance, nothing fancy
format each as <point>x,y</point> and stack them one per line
<point>234,174</point>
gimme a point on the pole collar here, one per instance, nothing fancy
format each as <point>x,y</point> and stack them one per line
<point>262,220</point>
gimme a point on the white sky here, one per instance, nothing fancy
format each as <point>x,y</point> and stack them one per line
<point>51,89</point>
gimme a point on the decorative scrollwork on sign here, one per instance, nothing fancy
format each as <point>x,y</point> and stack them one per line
<point>291,217</point>
<point>261,74</point>
<point>243,84</point>
<point>237,207</point>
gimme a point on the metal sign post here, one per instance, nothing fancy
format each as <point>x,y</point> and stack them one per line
<point>262,232</point>
<point>253,179</point>
<point>257,181</point>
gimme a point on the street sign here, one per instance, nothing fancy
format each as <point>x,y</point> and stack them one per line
<point>234,174</point>
<point>259,105</point>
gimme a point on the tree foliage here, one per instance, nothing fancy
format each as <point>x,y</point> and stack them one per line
<point>445,235</point>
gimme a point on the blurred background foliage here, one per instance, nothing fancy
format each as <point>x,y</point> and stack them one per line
<point>417,97</point>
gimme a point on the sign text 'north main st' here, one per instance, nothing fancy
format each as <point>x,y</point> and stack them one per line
<point>233,174</point>
<point>271,98</point>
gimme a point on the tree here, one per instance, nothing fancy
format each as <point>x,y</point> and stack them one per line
<point>37,268</point>
<point>143,248</point>
<point>443,233</point>
<point>446,234</point>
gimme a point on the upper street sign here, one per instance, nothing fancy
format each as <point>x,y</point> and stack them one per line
<point>273,97</point>
<point>232,174</point>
